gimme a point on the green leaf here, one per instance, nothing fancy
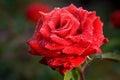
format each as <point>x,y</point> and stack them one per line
<point>110,56</point>
<point>72,75</point>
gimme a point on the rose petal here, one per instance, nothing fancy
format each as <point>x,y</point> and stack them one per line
<point>71,8</point>
<point>87,33</point>
<point>59,40</point>
<point>97,27</point>
<point>63,63</point>
<point>76,49</point>
<point>54,46</point>
<point>45,30</point>
<point>54,20</point>
<point>63,31</point>
<point>82,15</point>
<point>91,15</point>
<point>92,50</point>
<point>98,33</point>
<point>40,50</point>
<point>76,61</point>
<point>74,22</point>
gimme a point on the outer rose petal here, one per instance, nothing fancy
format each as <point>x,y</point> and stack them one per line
<point>63,63</point>
<point>97,27</point>
<point>76,49</point>
<point>54,46</point>
<point>45,32</point>
<point>90,50</point>
<point>39,50</point>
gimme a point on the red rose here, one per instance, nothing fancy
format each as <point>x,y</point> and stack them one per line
<point>115,19</point>
<point>32,11</point>
<point>66,36</point>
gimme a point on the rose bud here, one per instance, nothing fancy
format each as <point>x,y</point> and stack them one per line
<point>115,19</point>
<point>32,11</point>
<point>66,37</point>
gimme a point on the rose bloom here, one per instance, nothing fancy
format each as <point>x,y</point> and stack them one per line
<point>32,11</point>
<point>115,19</point>
<point>66,37</point>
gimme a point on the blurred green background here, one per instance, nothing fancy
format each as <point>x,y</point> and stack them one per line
<point>15,29</point>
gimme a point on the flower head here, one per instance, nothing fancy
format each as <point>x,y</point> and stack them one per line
<point>115,19</point>
<point>66,37</point>
<point>32,11</point>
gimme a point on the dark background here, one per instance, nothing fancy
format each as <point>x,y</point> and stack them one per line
<point>15,29</point>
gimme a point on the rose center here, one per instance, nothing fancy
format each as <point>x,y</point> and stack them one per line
<point>57,26</point>
<point>61,25</point>
<point>78,32</point>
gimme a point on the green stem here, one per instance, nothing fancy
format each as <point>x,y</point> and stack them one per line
<point>86,62</point>
<point>82,75</point>
<point>82,68</point>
